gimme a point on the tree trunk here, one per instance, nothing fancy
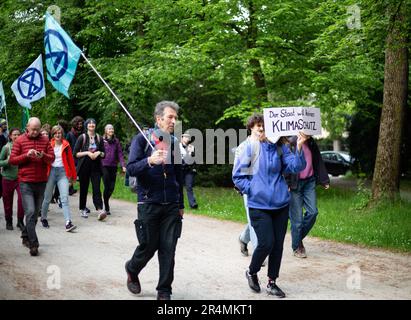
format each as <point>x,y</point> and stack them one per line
<point>258,74</point>
<point>387,165</point>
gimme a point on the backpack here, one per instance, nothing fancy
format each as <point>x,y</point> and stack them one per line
<point>83,135</point>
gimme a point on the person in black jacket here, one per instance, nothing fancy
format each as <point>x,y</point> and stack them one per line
<point>89,150</point>
<point>302,188</point>
<point>160,205</point>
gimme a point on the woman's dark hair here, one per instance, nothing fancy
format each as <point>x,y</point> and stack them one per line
<point>11,132</point>
<point>254,119</point>
<point>89,120</point>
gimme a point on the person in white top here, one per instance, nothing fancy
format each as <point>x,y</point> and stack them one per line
<point>62,172</point>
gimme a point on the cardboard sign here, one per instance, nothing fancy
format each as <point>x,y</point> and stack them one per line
<point>288,121</point>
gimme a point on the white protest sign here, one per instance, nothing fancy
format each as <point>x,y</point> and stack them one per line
<point>288,121</point>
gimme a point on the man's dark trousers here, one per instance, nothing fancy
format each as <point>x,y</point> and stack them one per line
<point>158,227</point>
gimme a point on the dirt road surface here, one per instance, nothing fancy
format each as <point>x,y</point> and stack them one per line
<point>89,263</point>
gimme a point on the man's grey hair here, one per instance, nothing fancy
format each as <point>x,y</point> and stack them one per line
<point>159,110</point>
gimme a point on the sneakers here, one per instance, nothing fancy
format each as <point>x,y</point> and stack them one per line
<point>253,281</point>
<point>274,290</point>
<point>101,215</point>
<point>84,213</point>
<point>133,284</point>
<point>87,210</point>
<point>300,251</point>
<point>70,227</point>
<point>45,223</point>
<point>243,248</point>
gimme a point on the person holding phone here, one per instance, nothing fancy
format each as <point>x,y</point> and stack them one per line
<point>32,153</point>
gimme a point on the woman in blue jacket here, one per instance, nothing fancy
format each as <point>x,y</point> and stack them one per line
<point>258,172</point>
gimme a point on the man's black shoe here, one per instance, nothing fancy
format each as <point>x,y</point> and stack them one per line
<point>194,206</point>
<point>163,296</point>
<point>274,290</point>
<point>133,284</point>
<point>25,242</point>
<point>253,281</point>
<point>34,249</point>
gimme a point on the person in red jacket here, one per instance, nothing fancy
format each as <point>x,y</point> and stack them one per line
<point>32,153</point>
<point>62,172</point>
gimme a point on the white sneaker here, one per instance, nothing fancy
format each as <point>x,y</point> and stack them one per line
<point>83,213</point>
<point>102,215</point>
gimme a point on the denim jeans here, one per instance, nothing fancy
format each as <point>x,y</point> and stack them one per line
<point>57,177</point>
<point>303,196</point>
<point>189,183</point>
<point>248,233</point>
<point>32,198</point>
<point>158,227</point>
<point>270,227</point>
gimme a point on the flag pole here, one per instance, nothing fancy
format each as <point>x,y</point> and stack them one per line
<point>7,120</point>
<point>118,100</point>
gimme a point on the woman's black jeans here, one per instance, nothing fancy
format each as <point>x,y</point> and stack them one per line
<point>270,227</point>
<point>109,181</point>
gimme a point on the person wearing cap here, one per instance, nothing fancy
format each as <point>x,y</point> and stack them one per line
<point>89,150</point>
<point>187,153</point>
<point>114,155</point>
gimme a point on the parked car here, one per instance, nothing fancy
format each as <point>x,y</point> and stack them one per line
<point>337,162</point>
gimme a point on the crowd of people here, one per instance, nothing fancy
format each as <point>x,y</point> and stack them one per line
<point>276,179</point>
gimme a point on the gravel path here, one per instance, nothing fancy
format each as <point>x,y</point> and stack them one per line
<point>89,263</point>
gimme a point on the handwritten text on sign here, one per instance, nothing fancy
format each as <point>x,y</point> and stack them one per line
<point>291,120</point>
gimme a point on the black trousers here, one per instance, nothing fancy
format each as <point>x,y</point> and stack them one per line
<point>270,227</point>
<point>158,228</point>
<point>84,177</point>
<point>109,181</point>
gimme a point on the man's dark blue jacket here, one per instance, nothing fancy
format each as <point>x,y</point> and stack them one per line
<point>159,183</point>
